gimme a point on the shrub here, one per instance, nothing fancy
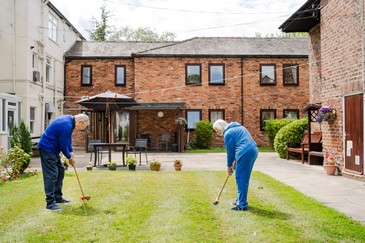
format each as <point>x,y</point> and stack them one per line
<point>273,126</point>
<point>293,132</point>
<point>21,138</point>
<point>203,135</point>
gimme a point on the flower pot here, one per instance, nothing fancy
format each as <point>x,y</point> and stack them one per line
<point>177,167</point>
<point>330,169</point>
<point>112,167</point>
<point>155,167</point>
<point>132,167</point>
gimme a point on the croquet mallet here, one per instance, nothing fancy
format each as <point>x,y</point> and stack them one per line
<point>83,197</point>
<point>217,199</point>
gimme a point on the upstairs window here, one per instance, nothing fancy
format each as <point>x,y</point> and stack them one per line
<point>120,75</point>
<point>268,74</point>
<point>193,116</point>
<point>291,74</point>
<point>216,74</point>
<point>266,114</point>
<point>193,74</point>
<point>52,27</point>
<point>86,75</point>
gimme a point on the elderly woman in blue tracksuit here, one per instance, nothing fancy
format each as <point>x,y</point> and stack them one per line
<point>241,154</point>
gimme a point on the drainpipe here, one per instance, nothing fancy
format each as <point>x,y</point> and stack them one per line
<point>14,51</point>
<point>242,112</point>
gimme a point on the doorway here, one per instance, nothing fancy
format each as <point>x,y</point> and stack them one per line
<point>354,133</point>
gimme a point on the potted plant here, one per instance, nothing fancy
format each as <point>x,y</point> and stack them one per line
<point>90,166</point>
<point>131,161</point>
<point>155,165</point>
<point>112,165</point>
<point>330,165</point>
<point>327,114</point>
<point>177,164</point>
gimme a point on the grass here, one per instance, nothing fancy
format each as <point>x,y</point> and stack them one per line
<point>146,206</point>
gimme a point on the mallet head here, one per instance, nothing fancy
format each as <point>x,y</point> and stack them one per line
<point>215,202</point>
<point>85,197</point>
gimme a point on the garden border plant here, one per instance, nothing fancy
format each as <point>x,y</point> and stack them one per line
<point>293,132</point>
<point>273,126</point>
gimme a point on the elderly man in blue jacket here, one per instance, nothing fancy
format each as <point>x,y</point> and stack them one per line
<point>55,139</point>
<point>241,154</point>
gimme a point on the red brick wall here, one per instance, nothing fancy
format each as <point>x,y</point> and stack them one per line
<point>162,79</point>
<point>341,71</point>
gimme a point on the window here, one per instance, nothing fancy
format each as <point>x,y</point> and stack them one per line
<point>216,74</point>
<point>86,75</point>
<point>34,61</point>
<point>193,74</point>
<point>268,74</point>
<point>193,116</point>
<point>215,115</point>
<point>48,69</point>
<point>266,114</point>
<point>291,74</point>
<point>31,119</point>
<point>52,27</point>
<point>120,75</point>
<point>291,113</point>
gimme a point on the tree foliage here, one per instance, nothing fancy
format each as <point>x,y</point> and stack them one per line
<point>100,29</point>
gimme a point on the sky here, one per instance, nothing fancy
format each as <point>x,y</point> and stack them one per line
<point>185,18</point>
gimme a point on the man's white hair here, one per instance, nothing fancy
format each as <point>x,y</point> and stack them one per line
<point>220,125</point>
<point>82,118</point>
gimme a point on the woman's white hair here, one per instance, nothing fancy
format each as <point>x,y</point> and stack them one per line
<point>220,125</point>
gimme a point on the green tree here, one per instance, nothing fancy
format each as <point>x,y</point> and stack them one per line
<point>21,138</point>
<point>100,29</point>
<point>140,34</point>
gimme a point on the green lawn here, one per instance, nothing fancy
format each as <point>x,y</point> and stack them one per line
<point>146,206</point>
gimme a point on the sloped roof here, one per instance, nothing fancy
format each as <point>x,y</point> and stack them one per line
<point>110,49</point>
<point>199,46</point>
<point>232,46</point>
<point>305,18</point>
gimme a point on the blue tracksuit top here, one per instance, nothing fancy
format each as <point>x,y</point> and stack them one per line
<point>238,141</point>
<point>58,136</point>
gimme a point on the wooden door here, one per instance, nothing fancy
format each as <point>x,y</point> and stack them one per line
<point>354,133</point>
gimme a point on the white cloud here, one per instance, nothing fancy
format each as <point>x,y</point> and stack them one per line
<point>188,18</point>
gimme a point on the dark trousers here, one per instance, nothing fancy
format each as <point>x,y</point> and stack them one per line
<point>243,173</point>
<point>53,173</point>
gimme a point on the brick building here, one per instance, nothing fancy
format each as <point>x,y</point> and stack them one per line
<point>336,57</point>
<point>248,80</point>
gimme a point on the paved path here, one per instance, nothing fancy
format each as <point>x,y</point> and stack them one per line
<point>343,194</point>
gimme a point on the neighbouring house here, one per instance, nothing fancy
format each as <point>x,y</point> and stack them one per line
<point>336,73</point>
<point>34,38</point>
<point>249,80</point>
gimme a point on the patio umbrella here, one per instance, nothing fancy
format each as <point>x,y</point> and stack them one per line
<point>107,102</point>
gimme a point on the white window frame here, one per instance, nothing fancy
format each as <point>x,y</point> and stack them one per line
<point>52,27</point>
<point>49,65</point>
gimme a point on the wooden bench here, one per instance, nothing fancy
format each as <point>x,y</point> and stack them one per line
<point>302,148</point>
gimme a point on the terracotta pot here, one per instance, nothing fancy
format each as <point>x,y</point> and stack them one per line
<point>177,167</point>
<point>330,169</point>
<point>155,167</point>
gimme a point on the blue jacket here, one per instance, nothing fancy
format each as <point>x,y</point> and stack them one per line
<point>58,136</point>
<point>238,141</point>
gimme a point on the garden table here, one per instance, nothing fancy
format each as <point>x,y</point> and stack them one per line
<point>109,146</point>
